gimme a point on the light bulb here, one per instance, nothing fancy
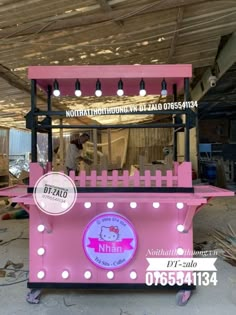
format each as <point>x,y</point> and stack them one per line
<point>133,275</point>
<point>180,205</point>
<point>110,275</point>
<point>98,93</point>
<point>41,251</point>
<point>110,205</point>
<point>78,93</point>
<point>163,92</point>
<point>87,274</point>
<point>180,227</point>
<point>56,93</point>
<point>142,92</point>
<point>163,88</point>
<point>41,228</point>
<point>156,205</point>
<point>65,274</point>
<point>41,274</point>
<point>180,251</point>
<point>120,92</point>
<point>133,205</point>
<point>87,205</point>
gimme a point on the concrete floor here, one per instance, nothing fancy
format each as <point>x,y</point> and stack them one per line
<point>205,300</point>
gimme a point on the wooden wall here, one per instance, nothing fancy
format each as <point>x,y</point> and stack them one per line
<point>131,144</point>
<point>147,142</point>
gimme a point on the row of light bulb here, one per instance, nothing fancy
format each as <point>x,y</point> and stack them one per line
<point>110,205</point>
<point>133,205</point>
<point>98,91</point>
<point>41,228</point>
<point>110,274</point>
<point>87,274</point>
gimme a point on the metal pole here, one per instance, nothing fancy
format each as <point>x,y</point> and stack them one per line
<point>187,122</point>
<point>61,146</point>
<point>109,146</point>
<point>49,100</point>
<point>95,147</point>
<point>146,112</point>
<point>175,133</point>
<point>34,122</point>
<point>158,125</point>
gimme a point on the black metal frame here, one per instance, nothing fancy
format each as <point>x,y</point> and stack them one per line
<point>46,124</point>
<point>130,189</point>
<point>109,286</point>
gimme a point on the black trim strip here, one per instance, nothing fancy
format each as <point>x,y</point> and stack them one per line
<point>145,112</point>
<point>130,189</point>
<point>153,125</point>
<point>92,286</point>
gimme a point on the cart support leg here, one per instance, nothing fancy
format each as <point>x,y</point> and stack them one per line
<point>33,296</point>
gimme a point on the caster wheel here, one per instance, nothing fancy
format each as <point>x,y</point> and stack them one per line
<point>33,297</point>
<point>182,297</point>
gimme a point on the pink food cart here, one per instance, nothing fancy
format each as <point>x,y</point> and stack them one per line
<point>118,222</point>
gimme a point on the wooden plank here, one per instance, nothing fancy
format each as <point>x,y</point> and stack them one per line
<point>95,147</point>
<point>174,39</point>
<point>109,146</point>
<point>20,84</point>
<point>63,23</point>
<point>106,7</point>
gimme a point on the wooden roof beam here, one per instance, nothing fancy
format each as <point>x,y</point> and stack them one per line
<point>22,85</point>
<point>107,8</point>
<point>174,39</point>
<point>226,58</point>
<point>61,24</point>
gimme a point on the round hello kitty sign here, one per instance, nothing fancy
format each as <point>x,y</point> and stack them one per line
<point>110,241</point>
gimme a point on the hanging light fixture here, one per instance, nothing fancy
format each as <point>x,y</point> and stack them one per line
<point>78,92</point>
<point>142,91</point>
<point>120,91</point>
<point>163,88</point>
<point>98,91</point>
<point>56,91</point>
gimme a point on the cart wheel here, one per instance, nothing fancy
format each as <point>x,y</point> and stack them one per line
<point>33,296</point>
<point>182,297</point>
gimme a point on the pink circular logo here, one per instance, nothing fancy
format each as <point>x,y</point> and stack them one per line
<point>55,193</point>
<point>110,241</point>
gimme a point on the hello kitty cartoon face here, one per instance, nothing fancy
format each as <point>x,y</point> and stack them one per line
<point>109,233</point>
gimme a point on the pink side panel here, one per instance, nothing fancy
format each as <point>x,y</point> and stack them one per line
<point>211,191</point>
<point>158,179</point>
<point>109,76</point>
<point>136,179</point>
<point>156,228</point>
<point>185,174</point>
<point>147,178</point>
<point>64,248</point>
<point>115,178</point>
<point>36,171</point>
<point>110,71</point>
<point>12,191</point>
